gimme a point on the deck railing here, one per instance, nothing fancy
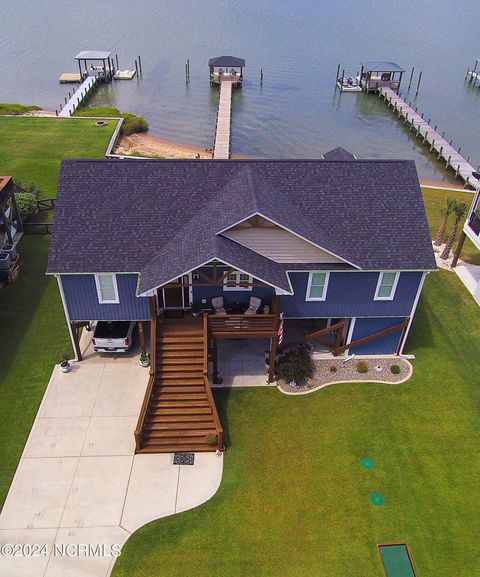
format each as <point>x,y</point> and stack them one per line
<point>242,326</point>
<point>151,381</point>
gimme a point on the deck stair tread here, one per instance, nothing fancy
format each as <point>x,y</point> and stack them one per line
<point>179,415</point>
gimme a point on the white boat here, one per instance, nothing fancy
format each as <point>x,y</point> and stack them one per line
<point>349,84</point>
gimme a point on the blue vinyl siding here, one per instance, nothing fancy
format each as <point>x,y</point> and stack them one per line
<point>384,345</point>
<point>350,295</point>
<point>209,292</point>
<point>82,300</point>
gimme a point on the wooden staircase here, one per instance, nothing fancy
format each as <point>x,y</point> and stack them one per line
<point>179,413</point>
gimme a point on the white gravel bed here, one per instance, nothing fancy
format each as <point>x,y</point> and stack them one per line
<point>334,371</point>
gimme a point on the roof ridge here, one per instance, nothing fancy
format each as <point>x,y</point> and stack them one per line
<point>251,187</point>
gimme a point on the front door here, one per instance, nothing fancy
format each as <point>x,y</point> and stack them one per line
<point>176,297</point>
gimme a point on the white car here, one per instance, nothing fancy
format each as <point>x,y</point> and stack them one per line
<point>113,336</point>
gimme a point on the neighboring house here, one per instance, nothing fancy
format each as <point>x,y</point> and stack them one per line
<point>10,219</point>
<point>470,274</point>
<point>340,247</point>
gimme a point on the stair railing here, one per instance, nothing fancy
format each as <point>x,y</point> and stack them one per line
<point>208,389</point>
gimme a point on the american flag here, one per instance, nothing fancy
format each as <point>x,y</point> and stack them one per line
<point>280,330</point>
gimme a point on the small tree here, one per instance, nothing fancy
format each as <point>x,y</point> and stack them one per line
<point>448,211</point>
<point>460,210</point>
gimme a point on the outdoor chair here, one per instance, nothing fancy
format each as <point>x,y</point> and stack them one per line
<point>218,306</point>
<point>253,306</point>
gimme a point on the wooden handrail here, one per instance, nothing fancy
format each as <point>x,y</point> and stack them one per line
<point>372,337</point>
<point>326,330</point>
<point>205,343</point>
<point>143,413</point>
<point>151,381</point>
<point>216,418</point>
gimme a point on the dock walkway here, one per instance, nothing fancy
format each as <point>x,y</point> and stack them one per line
<point>430,136</point>
<point>224,121</point>
<point>78,96</point>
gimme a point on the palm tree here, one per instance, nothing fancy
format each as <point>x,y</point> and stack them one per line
<point>441,231</point>
<point>460,210</point>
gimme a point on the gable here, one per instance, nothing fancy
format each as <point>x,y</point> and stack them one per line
<point>276,243</point>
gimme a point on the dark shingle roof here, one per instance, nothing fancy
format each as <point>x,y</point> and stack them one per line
<point>338,153</point>
<point>227,61</point>
<point>162,218</point>
<point>380,66</point>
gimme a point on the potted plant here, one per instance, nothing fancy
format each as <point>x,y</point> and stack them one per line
<point>211,439</point>
<point>65,364</point>
<point>196,309</point>
<point>144,359</point>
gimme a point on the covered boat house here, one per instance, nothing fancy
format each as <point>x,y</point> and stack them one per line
<point>91,60</point>
<point>376,75</point>
<point>226,68</point>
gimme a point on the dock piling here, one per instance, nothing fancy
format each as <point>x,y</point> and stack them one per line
<point>140,65</point>
<point>419,80</point>
<point>411,77</point>
<point>261,76</point>
<point>116,60</point>
<point>337,76</point>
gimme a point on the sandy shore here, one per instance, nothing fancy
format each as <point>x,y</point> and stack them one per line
<point>144,145</point>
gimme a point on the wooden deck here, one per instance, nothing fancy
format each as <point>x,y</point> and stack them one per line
<point>78,96</point>
<point>221,147</point>
<point>444,150</point>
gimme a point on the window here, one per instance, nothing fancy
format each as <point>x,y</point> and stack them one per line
<point>317,286</point>
<point>237,281</point>
<point>107,290</point>
<point>386,286</point>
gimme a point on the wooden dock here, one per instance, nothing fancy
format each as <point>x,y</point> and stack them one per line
<point>473,75</point>
<point>430,136</point>
<point>221,148</point>
<point>78,96</point>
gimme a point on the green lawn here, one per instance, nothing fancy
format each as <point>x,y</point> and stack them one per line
<point>33,333</point>
<point>31,149</point>
<point>435,203</point>
<point>294,499</point>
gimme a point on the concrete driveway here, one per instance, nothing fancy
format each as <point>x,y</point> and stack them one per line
<point>79,490</point>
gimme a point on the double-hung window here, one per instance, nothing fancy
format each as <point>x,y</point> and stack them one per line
<point>107,289</point>
<point>386,286</point>
<point>238,281</point>
<point>317,286</point>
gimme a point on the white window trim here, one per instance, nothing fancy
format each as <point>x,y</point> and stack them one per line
<point>325,286</point>
<point>116,300</point>
<point>237,287</point>
<point>394,287</point>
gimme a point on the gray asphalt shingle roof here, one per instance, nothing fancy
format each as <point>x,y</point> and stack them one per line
<point>227,61</point>
<point>162,218</point>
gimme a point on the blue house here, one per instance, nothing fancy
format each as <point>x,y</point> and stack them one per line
<point>337,248</point>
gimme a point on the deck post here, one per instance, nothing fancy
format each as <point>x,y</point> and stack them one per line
<point>76,341</point>
<point>273,355</point>
<point>141,334</point>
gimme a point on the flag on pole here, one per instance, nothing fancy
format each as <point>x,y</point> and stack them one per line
<point>280,330</point>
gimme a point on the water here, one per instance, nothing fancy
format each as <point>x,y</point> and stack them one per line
<point>297,113</point>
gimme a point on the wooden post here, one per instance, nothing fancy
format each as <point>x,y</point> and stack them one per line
<point>336,77</point>
<point>186,72</point>
<point>411,77</point>
<point>140,65</point>
<point>261,76</point>
<point>136,67</point>
<point>141,334</point>
<point>458,250</point>
<point>116,60</point>
<point>419,79</point>
<point>273,355</point>
<point>76,341</point>
<point>215,360</point>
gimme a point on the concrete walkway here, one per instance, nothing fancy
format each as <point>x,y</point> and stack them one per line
<point>79,490</point>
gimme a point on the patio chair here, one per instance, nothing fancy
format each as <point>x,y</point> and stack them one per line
<point>218,306</point>
<point>253,306</point>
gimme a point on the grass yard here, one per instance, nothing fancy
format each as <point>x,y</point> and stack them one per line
<point>33,333</point>
<point>435,203</point>
<point>31,149</point>
<point>294,499</point>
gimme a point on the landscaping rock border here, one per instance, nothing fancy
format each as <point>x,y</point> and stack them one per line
<point>346,372</point>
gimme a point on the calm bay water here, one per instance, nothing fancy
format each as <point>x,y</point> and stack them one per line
<point>297,113</point>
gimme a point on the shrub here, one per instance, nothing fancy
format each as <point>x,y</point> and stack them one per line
<point>211,439</point>
<point>27,204</point>
<point>362,367</point>
<point>395,369</point>
<point>296,365</point>
<point>333,368</point>
<point>133,123</point>
<point>16,109</point>
<point>29,187</point>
